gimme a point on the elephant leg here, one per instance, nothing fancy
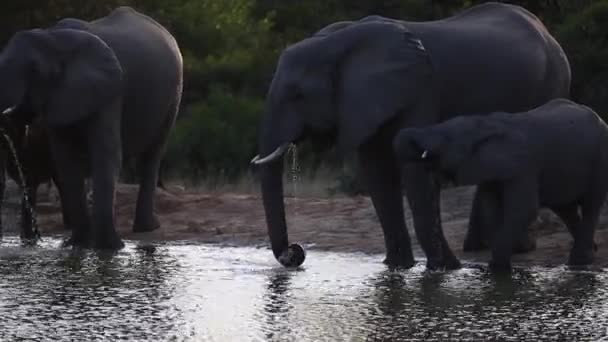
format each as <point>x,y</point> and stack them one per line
<point>27,221</point>
<point>64,213</point>
<point>519,207</point>
<point>3,159</point>
<point>70,182</point>
<point>486,216</point>
<point>423,195</point>
<point>570,216</point>
<point>584,245</point>
<point>572,219</point>
<point>105,161</point>
<point>524,243</point>
<point>381,173</point>
<point>484,220</point>
<point>476,237</point>
<point>145,219</point>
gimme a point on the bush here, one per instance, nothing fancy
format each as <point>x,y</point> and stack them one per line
<point>215,137</point>
<point>583,36</point>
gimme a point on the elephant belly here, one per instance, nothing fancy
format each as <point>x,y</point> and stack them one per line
<point>564,185</point>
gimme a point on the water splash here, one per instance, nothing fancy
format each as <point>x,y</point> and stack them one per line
<point>24,187</point>
<point>295,169</point>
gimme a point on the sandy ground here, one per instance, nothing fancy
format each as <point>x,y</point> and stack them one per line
<point>335,224</point>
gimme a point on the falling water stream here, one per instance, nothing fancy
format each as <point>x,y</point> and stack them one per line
<point>295,175</point>
<point>23,185</point>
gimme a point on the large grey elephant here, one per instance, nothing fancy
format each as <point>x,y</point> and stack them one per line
<point>554,156</point>
<point>106,90</point>
<point>360,82</point>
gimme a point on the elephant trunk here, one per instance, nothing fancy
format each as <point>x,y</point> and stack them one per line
<point>271,173</point>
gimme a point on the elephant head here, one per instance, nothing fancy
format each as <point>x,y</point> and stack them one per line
<point>65,74</point>
<point>345,82</point>
<point>468,150</point>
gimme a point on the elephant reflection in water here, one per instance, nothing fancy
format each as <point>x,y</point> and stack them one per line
<point>406,305</point>
<point>277,307</point>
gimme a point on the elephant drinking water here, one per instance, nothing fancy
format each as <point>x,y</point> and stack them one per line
<point>362,81</point>
<point>553,156</point>
<point>105,89</point>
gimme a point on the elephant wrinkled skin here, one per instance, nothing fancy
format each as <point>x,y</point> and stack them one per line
<point>360,82</point>
<point>553,156</point>
<point>106,90</point>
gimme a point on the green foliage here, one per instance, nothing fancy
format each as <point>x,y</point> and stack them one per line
<point>585,39</point>
<point>215,136</point>
<point>230,49</point>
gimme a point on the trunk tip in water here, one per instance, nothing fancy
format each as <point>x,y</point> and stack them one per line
<point>293,256</point>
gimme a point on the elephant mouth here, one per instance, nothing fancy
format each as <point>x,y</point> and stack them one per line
<point>257,160</point>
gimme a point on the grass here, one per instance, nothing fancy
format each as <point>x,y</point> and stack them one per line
<point>320,183</point>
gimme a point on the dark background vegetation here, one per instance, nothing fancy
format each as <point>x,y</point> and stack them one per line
<point>230,49</point>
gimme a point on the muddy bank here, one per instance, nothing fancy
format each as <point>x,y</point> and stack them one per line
<point>337,224</point>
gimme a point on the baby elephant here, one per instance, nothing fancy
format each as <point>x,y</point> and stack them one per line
<point>553,156</point>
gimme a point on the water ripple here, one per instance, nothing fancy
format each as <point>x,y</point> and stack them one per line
<point>183,292</point>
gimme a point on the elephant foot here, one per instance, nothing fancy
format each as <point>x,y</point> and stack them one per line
<point>28,237</point>
<point>472,244</point>
<point>446,263</point>
<point>500,266</point>
<point>29,242</point>
<point>77,241</point>
<point>399,261</point>
<point>581,258</point>
<point>108,241</point>
<point>145,226</point>
<point>524,245</point>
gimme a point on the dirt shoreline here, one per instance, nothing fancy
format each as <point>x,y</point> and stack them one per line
<point>345,224</point>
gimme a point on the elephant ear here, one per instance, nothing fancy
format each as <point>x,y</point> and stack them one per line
<point>379,77</point>
<point>498,154</point>
<point>86,74</point>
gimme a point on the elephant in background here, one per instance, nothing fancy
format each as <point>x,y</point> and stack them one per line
<point>106,90</point>
<point>553,156</point>
<point>360,82</point>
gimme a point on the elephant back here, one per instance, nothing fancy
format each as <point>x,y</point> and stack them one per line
<point>149,55</point>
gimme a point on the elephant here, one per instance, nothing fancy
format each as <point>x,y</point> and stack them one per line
<point>360,82</point>
<point>553,156</point>
<point>104,90</point>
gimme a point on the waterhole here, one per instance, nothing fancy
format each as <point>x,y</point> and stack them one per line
<point>192,292</point>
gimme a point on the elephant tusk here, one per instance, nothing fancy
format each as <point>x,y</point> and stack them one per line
<point>9,110</point>
<point>424,154</point>
<point>274,155</point>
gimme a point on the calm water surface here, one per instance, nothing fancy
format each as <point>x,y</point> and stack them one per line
<point>207,293</point>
